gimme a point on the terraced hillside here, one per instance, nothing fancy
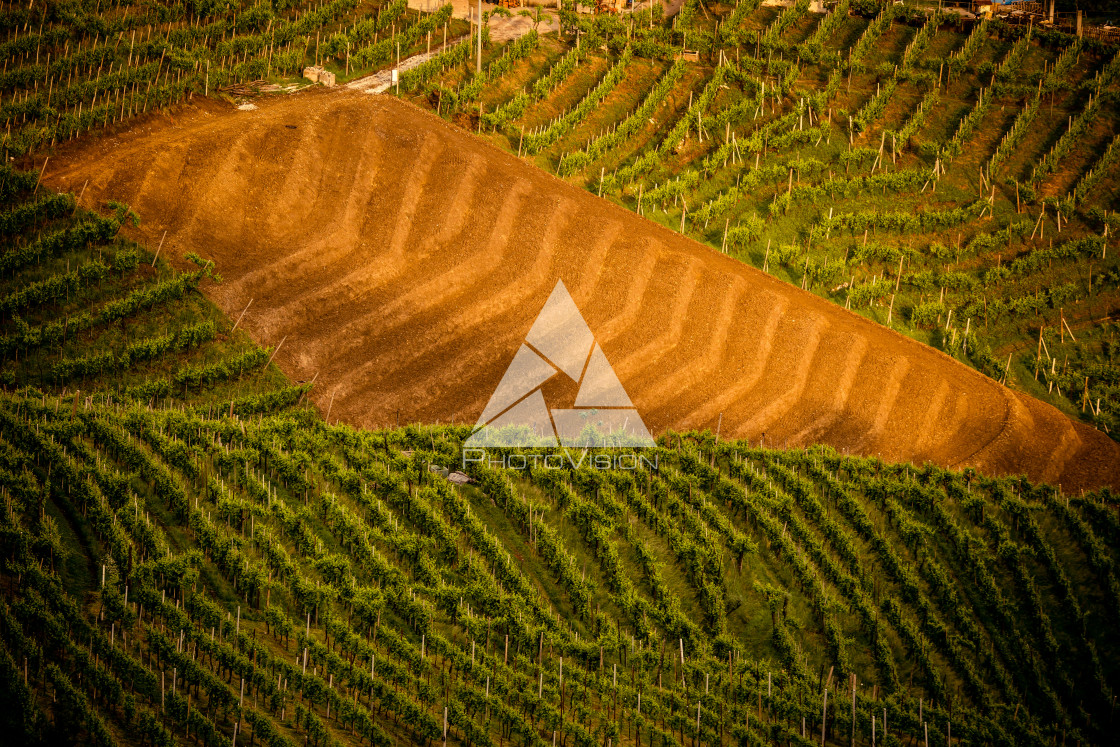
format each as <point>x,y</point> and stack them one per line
<point>190,554</point>
<point>845,265</point>
<point>402,262</point>
<point>952,180</point>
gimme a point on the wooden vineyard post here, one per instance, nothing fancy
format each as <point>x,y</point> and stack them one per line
<point>274,352</point>
<point>682,662</point>
<point>242,316</point>
<point>40,179</point>
<point>158,248</point>
<point>1038,224</point>
<point>1038,355</point>
<point>1071,335</point>
<point>853,677</point>
<point>824,714</point>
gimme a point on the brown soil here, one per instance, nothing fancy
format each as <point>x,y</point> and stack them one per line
<point>404,260</point>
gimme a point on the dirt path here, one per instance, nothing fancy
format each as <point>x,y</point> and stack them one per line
<point>502,29</point>
<point>382,80</point>
<point>404,260</point>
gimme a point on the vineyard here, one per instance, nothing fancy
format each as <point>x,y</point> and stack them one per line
<point>734,595</point>
<point>895,527</point>
<point>986,235</point>
<point>74,67</point>
<point>773,148</point>
<point>729,594</point>
<point>721,593</point>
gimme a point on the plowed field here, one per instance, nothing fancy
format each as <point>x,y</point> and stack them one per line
<point>403,260</point>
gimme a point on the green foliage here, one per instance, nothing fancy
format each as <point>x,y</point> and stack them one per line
<point>1075,134</point>
<point>748,230</point>
<point>1102,167</point>
<point>1059,74</point>
<point>962,57</point>
<point>577,160</point>
<point>510,111</point>
<point>401,588</point>
<point>21,217</point>
<point>874,108</point>
<point>557,128</point>
<point>360,617</point>
<point>1011,139</point>
<point>516,50</point>
<point>123,213</point>
<point>680,130</point>
<point>898,181</point>
<point>967,126</point>
<point>884,18</point>
<point>928,314</point>
<point>921,39</point>
<point>425,71</point>
<point>928,103</point>
<point>98,364</point>
<point>789,16</point>
<point>812,48</point>
<point>898,221</point>
<point>382,52</point>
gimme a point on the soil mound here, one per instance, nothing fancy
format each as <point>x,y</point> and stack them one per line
<point>403,261</point>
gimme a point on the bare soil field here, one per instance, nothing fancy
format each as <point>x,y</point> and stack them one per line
<point>403,260</point>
